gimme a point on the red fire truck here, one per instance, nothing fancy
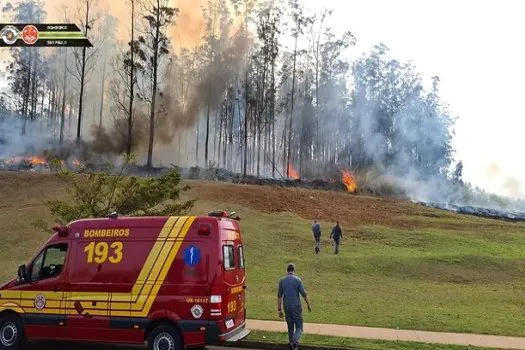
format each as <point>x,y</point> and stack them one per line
<point>167,282</point>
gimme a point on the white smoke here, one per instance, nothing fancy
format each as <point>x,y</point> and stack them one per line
<point>13,143</point>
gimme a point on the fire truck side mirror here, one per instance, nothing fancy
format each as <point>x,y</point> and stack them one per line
<point>22,273</point>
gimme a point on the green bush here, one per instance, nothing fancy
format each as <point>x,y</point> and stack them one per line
<point>98,194</point>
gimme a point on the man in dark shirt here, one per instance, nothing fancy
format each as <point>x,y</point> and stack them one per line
<point>336,235</point>
<point>316,229</point>
<point>289,293</point>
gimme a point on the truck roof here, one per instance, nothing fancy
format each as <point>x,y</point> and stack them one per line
<point>115,221</point>
<point>135,221</point>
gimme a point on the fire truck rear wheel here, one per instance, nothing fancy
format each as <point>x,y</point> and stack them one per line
<point>12,336</point>
<point>164,337</point>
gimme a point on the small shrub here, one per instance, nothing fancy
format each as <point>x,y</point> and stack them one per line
<point>97,194</point>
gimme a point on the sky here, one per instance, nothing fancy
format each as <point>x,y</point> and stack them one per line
<point>476,48</point>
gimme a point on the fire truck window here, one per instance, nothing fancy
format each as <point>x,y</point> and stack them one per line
<point>241,257</point>
<point>36,268</point>
<point>53,261</point>
<point>229,262</point>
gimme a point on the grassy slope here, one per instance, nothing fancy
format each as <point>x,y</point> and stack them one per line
<point>401,265</point>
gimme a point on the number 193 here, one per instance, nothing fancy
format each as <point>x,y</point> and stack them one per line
<point>100,252</point>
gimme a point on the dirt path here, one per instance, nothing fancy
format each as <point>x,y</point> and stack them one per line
<point>489,341</point>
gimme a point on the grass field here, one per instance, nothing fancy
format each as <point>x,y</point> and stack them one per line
<point>401,265</point>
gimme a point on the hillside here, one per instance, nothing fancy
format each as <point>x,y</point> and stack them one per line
<point>401,265</point>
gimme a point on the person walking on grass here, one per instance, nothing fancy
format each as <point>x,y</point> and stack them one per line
<point>336,235</point>
<point>316,229</point>
<point>290,290</point>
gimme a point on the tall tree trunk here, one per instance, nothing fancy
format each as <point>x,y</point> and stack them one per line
<point>63,112</point>
<point>214,133</point>
<point>254,134</point>
<point>230,135</point>
<point>82,75</point>
<point>103,89</point>
<point>262,108</point>
<point>256,118</point>
<point>197,143</point>
<point>245,124</point>
<point>179,152</point>
<point>27,87</point>
<point>272,116</point>
<point>239,137</point>
<point>54,106</point>
<point>70,117</point>
<point>131,80</point>
<point>33,94</point>
<point>49,108</point>
<point>292,102</point>
<point>220,137</point>
<point>226,119</point>
<point>154,88</point>
<point>42,100</point>
<point>207,137</point>
<point>285,154</point>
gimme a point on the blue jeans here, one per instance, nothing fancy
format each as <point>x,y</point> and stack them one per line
<point>336,243</point>
<point>317,239</point>
<point>294,320</point>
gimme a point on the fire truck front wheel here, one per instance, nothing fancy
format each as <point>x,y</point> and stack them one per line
<point>12,336</point>
<point>164,337</point>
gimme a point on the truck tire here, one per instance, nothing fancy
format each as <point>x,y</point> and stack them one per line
<point>164,337</point>
<point>12,336</point>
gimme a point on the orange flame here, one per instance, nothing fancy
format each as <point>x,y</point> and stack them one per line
<point>292,172</point>
<point>349,181</point>
<point>76,163</point>
<point>34,161</point>
<point>37,160</point>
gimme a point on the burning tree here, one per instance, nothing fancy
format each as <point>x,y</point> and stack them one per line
<point>97,194</point>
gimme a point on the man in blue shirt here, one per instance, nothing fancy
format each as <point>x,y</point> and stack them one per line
<point>316,229</point>
<point>336,235</point>
<point>289,294</point>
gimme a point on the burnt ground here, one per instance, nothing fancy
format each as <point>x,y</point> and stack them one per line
<point>352,210</point>
<point>31,189</point>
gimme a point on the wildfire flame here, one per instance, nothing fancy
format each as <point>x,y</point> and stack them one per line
<point>36,161</point>
<point>292,172</point>
<point>349,181</point>
<point>30,160</point>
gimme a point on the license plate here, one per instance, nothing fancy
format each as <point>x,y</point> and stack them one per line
<point>229,324</point>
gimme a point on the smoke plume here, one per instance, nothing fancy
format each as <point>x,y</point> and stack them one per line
<point>190,23</point>
<point>195,83</point>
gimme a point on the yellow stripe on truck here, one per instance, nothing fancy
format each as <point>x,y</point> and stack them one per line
<point>152,258</point>
<point>143,293</point>
<point>165,269</point>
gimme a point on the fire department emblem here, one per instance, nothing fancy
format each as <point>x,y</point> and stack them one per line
<point>30,34</point>
<point>10,34</point>
<point>40,302</point>
<point>196,311</point>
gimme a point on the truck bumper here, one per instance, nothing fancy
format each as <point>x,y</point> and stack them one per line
<point>235,335</point>
<point>212,332</point>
